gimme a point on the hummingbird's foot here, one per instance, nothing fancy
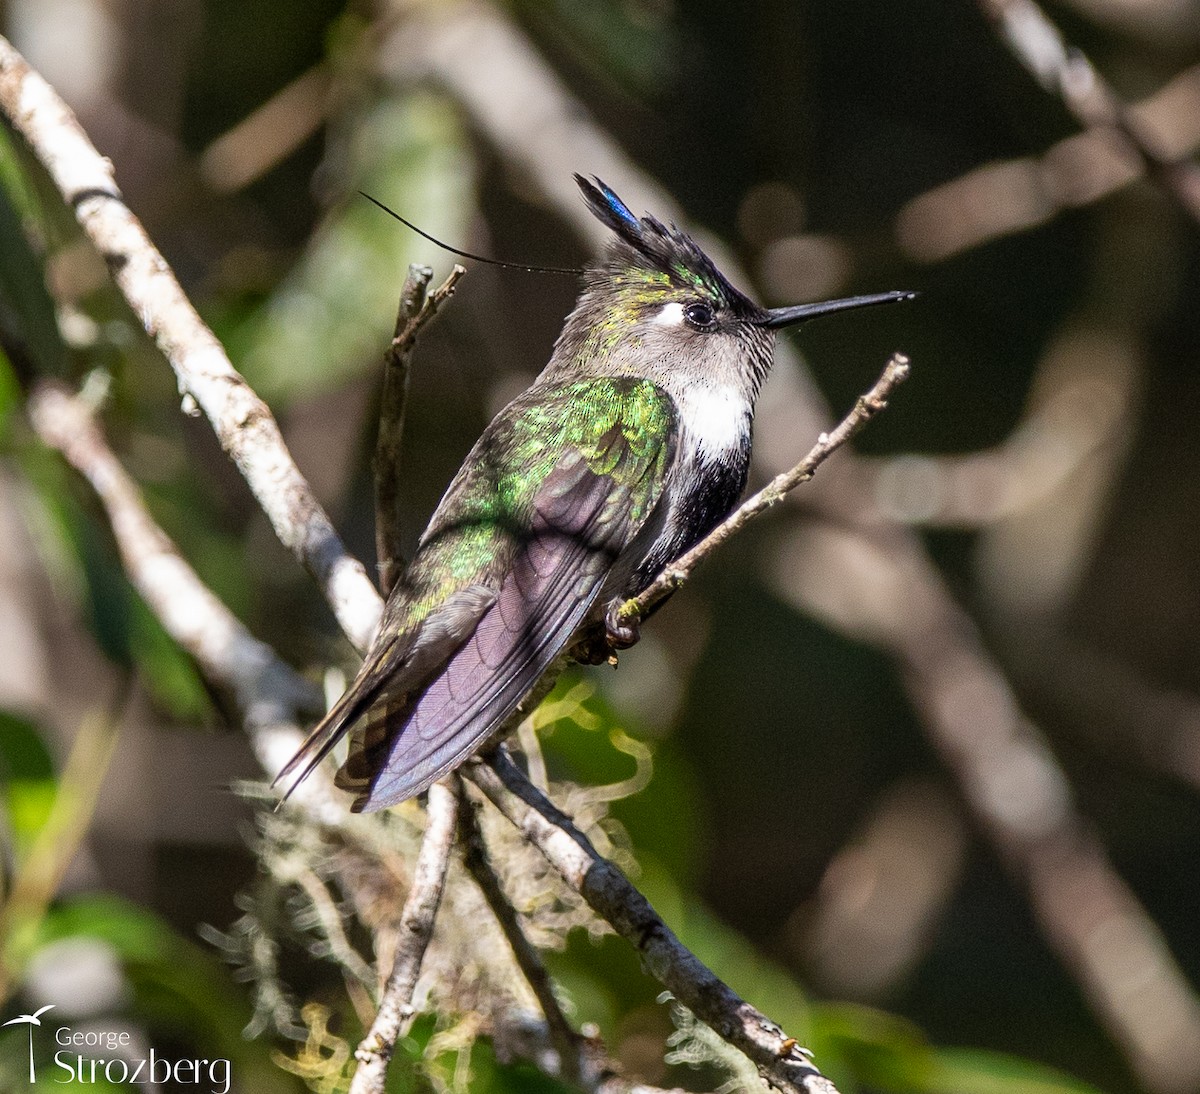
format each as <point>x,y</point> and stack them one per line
<point>592,647</point>
<point>600,640</point>
<point>621,633</point>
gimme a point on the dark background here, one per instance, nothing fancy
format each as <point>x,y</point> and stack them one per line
<point>803,135</point>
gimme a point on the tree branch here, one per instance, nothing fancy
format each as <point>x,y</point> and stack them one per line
<point>416,928</point>
<point>674,576</point>
<point>268,692</point>
<point>612,896</point>
<point>567,1044</point>
<point>244,425</point>
<point>417,308</point>
<point>1066,71</point>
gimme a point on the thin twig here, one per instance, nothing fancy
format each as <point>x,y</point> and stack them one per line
<point>566,1042</point>
<point>611,895</point>
<point>674,576</point>
<point>416,928</point>
<point>1066,71</point>
<point>243,423</point>
<point>417,308</point>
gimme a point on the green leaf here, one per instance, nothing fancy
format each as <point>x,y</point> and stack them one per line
<point>76,548</point>
<point>170,674</point>
<point>10,396</point>
<point>975,1071</point>
<point>489,1076</point>
<point>14,178</point>
<point>332,315</point>
<point>635,45</point>
<point>78,551</point>
<point>27,775</point>
<point>876,1049</point>
<point>26,308</point>
<point>861,1045</point>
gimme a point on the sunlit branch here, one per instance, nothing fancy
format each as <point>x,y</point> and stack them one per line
<point>613,897</point>
<point>242,421</point>
<point>416,929</point>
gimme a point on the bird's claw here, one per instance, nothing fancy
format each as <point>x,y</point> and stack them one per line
<point>599,643</point>
<point>621,633</point>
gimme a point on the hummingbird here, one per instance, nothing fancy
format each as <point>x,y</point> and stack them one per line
<point>630,446</point>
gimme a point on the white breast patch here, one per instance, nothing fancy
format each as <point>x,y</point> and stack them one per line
<point>718,417</point>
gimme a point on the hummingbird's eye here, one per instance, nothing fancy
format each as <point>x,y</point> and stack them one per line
<point>700,315</point>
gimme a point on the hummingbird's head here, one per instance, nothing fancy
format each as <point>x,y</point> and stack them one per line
<point>656,299</point>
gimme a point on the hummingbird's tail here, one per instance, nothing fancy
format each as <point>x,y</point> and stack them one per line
<point>356,701</point>
<point>397,667</point>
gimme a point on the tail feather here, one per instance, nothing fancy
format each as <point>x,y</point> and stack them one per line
<point>395,670</point>
<point>357,700</point>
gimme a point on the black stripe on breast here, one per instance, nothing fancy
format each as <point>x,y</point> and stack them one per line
<point>711,492</point>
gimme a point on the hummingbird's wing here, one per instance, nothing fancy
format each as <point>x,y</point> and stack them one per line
<point>401,659</point>
<point>508,570</point>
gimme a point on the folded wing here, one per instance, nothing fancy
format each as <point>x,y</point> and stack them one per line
<point>550,500</point>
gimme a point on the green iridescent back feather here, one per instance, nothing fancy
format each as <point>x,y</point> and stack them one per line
<point>556,451</point>
<point>618,426</point>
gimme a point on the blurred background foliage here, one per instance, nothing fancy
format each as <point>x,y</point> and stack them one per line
<point>796,827</point>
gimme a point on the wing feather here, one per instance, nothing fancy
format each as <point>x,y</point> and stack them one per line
<point>395,665</point>
<point>549,501</point>
<point>555,577</point>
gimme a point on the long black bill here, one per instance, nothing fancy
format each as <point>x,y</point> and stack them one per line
<point>799,313</point>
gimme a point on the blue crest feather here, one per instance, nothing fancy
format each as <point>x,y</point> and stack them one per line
<point>616,204</point>
<point>609,209</point>
<point>647,243</point>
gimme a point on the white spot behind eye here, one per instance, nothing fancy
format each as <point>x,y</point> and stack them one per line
<point>669,315</point>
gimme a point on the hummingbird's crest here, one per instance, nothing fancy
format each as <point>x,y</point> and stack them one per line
<point>664,253</point>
